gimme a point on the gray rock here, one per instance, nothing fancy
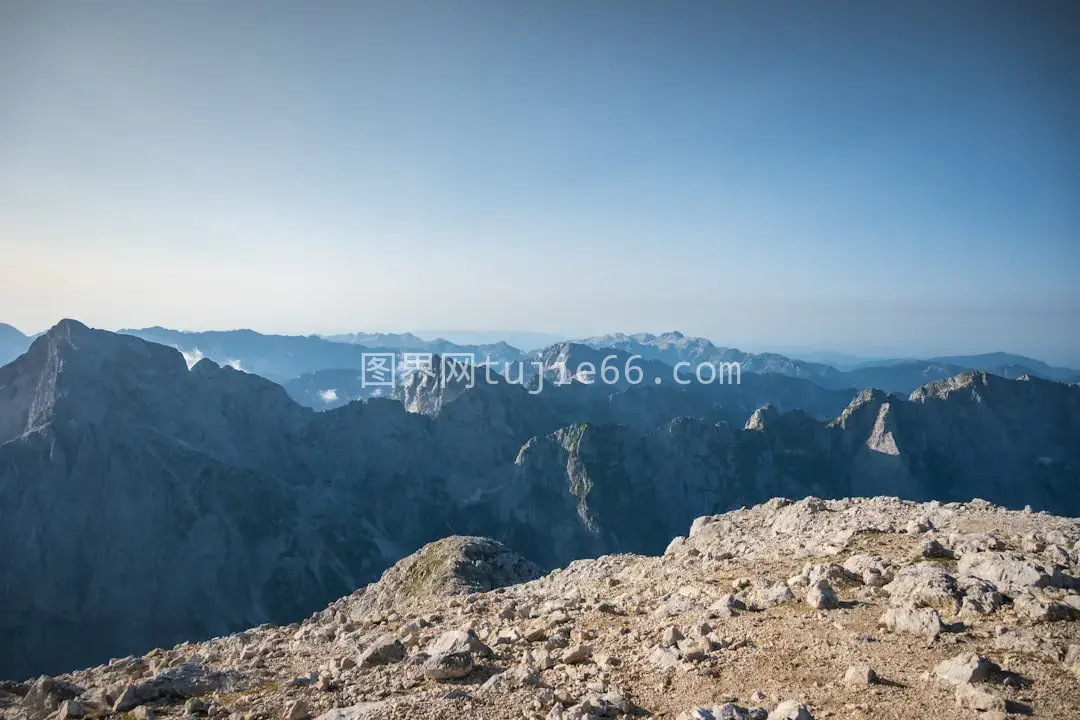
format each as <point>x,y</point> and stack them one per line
<point>577,654</point>
<point>1036,606</point>
<point>925,584</point>
<point>674,605</point>
<point>46,694</point>
<point>297,710</point>
<point>821,597</point>
<point>456,641</point>
<point>386,649</point>
<point>873,570</point>
<point>71,710</point>
<point>693,650</point>
<point>190,679</point>
<point>763,597</point>
<point>860,675</point>
<point>512,679</point>
<point>360,711</point>
<point>978,597</point>
<point>663,658</point>
<point>979,697</point>
<point>791,710</point>
<point>964,668</point>
<point>670,637</point>
<point>726,606</point>
<point>1009,572</point>
<point>914,621</point>
<point>933,549</point>
<point>448,665</point>
<point>195,707</point>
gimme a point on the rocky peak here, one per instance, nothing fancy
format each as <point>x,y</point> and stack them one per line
<point>763,417</point>
<point>455,565</point>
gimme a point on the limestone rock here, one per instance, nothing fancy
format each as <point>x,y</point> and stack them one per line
<point>790,710</point>
<point>860,675</point>
<point>979,697</point>
<point>1009,572</point>
<point>456,641</point>
<point>386,649</point>
<point>915,621</point>
<point>821,597</point>
<point>964,668</point>
<point>448,665</point>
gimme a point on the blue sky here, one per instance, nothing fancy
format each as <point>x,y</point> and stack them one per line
<point>900,180</point>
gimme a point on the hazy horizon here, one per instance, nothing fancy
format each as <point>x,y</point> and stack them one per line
<point>871,180</point>
<point>533,340</point>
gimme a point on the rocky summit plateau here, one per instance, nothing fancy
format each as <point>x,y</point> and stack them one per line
<point>850,608</point>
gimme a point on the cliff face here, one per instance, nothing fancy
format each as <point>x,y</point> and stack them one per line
<point>146,503</point>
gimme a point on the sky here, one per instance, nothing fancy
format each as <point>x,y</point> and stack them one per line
<point>873,179</point>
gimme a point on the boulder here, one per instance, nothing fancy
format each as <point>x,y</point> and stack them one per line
<point>386,649</point>
<point>914,621</point>
<point>979,697</point>
<point>821,597</point>
<point>456,641</point>
<point>1009,572</point>
<point>1036,606</point>
<point>790,710</point>
<point>448,665</point>
<point>860,675</point>
<point>964,668</point>
<point>190,679</point>
<point>925,585</point>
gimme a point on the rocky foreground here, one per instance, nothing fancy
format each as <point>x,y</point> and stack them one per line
<point>873,608</point>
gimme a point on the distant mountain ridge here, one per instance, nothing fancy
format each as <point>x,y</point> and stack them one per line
<point>901,375</point>
<point>12,343</point>
<point>148,503</point>
<point>324,372</point>
<point>283,358</point>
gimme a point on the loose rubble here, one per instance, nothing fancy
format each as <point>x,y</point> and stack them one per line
<point>872,608</point>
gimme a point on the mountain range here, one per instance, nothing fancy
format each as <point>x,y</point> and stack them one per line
<point>149,501</point>
<point>324,372</point>
<point>897,375</point>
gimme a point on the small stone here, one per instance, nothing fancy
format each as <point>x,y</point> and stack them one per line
<point>933,549</point>
<point>860,675</point>
<point>821,597</point>
<point>691,650</point>
<point>663,658</point>
<point>979,697</point>
<point>385,650</point>
<point>71,710</point>
<point>670,637</point>
<point>964,668</point>
<point>577,654</point>
<point>791,710</point>
<point>725,606</point>
<point>297,710</point>
<point>1035,606</point>
<point>194,707</point>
